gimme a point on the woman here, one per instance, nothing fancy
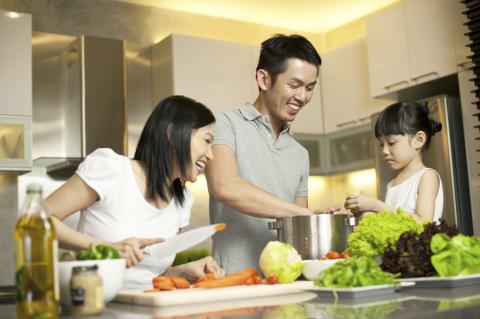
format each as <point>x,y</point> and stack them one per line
<point>134,203</point>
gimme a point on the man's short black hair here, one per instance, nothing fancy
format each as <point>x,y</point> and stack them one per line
<point>278,49</point>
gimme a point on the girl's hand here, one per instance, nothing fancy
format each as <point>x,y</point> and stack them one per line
<point>131,248</point>
<point>361,203</point>
<point>196,269</point>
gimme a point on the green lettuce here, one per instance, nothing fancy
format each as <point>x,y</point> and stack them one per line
<point>459,255</point>
<point>281,260</point>
<point>377,231</point>
<point>354,272</point>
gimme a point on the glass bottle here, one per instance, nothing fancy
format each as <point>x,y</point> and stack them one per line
<point>36,259</point>
<point>86,290</point>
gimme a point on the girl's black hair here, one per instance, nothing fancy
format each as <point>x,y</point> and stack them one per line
<point>166,138</point>
<point>406,118</point>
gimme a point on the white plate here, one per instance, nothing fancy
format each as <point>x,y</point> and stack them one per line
<point>359,292</point>
<point>444,282</point>
<point>314,267</point>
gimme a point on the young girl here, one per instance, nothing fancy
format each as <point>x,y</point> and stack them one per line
<point>133,203</point>
<point>404,130</point>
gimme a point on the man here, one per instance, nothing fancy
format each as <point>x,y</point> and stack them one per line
<point>258,170</point>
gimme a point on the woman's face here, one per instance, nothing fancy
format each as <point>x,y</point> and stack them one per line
<point>201,150</point>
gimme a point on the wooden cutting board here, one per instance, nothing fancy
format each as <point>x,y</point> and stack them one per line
<point>201,295</point>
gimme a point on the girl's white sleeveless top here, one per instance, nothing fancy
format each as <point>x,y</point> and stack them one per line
<point>404,195</point>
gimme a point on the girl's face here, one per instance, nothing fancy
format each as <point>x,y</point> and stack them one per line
<point>400,150</point>
<point>200,150</point>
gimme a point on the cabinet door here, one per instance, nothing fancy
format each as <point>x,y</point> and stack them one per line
<point>430,39</point>
<point>217,73</point>
<point>339,89</point>
<point>345,87</point>
<point>15,64</point>
<point>366,104</point>
<point>388,60</point>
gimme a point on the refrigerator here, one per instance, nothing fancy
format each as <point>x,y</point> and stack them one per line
<point>446,155</point>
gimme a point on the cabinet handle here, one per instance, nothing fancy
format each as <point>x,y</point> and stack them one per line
<point>388,87</point>
<point>425,75</point>
<point>364,118</point>
<point>346,123</point>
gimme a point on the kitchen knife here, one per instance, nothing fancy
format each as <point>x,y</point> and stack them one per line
<point>154,253</point>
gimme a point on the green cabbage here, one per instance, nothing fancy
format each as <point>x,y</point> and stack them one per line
<point>376,231</point>
<point>281,260</point>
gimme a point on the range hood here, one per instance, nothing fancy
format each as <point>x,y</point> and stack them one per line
<point>79,101</point>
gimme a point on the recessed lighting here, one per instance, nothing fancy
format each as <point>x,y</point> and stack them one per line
<point>12,15</point>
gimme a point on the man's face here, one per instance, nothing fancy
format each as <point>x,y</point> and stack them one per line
<point>292,90</point>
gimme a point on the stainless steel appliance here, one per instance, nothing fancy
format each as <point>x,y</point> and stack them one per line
<point>313,236</point>
<point>446,155</point>
<point>78,98</point>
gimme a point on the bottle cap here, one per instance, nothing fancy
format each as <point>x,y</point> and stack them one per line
<point>34,188</point>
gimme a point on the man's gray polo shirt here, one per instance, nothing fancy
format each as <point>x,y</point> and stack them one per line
<point>279,167</point>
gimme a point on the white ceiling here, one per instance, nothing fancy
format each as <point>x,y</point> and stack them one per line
<point>314,16</point>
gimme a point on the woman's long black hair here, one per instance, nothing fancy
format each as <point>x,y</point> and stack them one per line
<point>406,118</point>
<point>166,138</point>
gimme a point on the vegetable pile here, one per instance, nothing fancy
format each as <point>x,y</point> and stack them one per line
<point>410,256</point>
<point>459,255</point>
<point>354,272</point>
<point>94,252</point>
<point>282,261</point>
<point>377,231</point>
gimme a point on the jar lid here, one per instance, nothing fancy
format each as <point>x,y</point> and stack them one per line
<point>79,269</point>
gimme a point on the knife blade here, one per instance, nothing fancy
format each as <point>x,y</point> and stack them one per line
<point>154,253</point>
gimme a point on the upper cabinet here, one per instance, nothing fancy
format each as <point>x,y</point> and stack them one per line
<point>15,64</point>
<point>345,87</point>
<point>15,91</point>
<point>414,42</point>
<point>219,74</point>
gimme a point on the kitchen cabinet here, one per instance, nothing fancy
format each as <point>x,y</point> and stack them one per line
<point>220,74</point>
<point>15,64</point>
<point>413,42</point>
<point>15,91</point>
<point>471,125</point>
<point>345,87</point>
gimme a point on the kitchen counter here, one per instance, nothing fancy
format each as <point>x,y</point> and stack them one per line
<point>409,303</point>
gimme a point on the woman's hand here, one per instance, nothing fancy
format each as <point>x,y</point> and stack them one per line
<point>196,269</point>
<point>131,248</point>
<point>361,203</point>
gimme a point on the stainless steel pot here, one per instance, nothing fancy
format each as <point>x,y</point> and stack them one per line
<point>313,236</point>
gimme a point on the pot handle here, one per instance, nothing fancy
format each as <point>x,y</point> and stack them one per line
<point>275,225</point>
<point>351,221</point>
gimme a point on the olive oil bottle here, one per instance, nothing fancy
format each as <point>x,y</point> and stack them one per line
<point>36,259</point>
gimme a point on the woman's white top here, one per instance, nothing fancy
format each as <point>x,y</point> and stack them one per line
<point>122,211</point>
<point>404,195</point>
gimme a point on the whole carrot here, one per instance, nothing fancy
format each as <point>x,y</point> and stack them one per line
<point>239,278</point>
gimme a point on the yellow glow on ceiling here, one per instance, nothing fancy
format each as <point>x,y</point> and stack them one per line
<point>314,16</point>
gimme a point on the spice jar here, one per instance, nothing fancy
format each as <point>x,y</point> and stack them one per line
<point>86,290</point>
